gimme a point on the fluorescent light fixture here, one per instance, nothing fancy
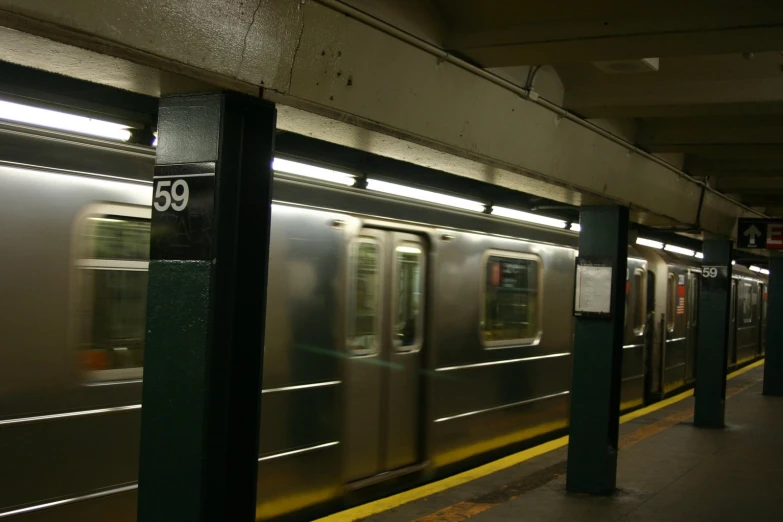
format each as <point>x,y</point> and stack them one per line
<point>527,216</point>
<point>699,255</point>
<point>576,227</point>
<point>754,268</point>
<point>62,121</point>
<point>733,263</point>
<point>649,243</point>
<point>309,171</point>
<point>764,271</point>
<point>424,195</point>
<point>679,250</point>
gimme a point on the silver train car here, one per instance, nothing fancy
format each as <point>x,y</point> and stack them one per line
<point>403,340</point>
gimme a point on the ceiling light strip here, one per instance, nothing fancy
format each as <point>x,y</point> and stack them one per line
<point>62,121</point>
<point>528,217</point>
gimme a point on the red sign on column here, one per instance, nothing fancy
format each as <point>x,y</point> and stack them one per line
<point>775,235</point>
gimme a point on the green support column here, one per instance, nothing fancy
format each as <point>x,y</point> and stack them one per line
<point>714,307</point>
<point>206,308</point>
<point>598,346</point>
<point>773,365</point>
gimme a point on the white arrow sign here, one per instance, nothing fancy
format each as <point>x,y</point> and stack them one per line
<point>752,233</point>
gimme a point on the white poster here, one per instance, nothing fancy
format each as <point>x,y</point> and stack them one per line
<point>593,289</point>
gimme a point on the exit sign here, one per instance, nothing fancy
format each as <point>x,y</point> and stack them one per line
<point>760,233</point>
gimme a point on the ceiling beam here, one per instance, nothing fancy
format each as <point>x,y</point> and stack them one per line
<point>738,173</point>
<point>743,185</point>
<point>721,150</point>
<point>651,96</point>
<point>663,132</point>
<point>763,199</point>
<point>609,33</point>
<point>756,167</point>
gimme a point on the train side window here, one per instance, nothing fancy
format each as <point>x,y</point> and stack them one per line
<point>671,301</point>
<point>408,320</point>
<point>364,320</point>
<point>111,281</point>
<point>640,301</point>
<point>511,300</point>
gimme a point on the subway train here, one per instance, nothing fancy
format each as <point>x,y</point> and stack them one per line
<point>403,339</point>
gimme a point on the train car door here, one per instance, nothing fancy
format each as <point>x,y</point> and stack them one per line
<point>692,325</point>
<point>763,333</point>
<point>385,334</point>
<point>732,348</point>
<point>675,352</point>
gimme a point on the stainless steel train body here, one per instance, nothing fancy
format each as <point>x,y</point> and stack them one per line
<point>673,290</point>
<point>401,338</point>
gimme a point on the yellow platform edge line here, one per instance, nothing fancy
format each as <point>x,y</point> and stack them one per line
<point>385,504</point>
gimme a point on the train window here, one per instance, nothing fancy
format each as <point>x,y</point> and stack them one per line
<point>409,259</point>
<point>671,301</point>
<point>745,302</point>
<point>365,297</point>
<point>511,305</point>
<point>112,284</point>
<point>639,301</point>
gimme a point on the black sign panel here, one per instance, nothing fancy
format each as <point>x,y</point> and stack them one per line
<point>715,278</point>
<point>183,204</point>
<point>760,233</point>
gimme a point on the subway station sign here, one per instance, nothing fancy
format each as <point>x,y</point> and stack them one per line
<point>760,233</point>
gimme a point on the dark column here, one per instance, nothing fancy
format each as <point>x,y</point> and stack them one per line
<point>773,365</point>
<point>714,307</point>
<point>206,309</point>
<point>597,358</point>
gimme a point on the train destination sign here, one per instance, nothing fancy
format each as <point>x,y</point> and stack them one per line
<point>760,233</point>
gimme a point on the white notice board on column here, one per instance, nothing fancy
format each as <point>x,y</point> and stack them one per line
<point>593,290</point>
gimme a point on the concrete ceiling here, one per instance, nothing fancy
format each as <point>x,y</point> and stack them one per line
<point>711,107</point>
<point>715,103</point>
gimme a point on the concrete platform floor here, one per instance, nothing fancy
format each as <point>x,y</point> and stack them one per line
<point>668,470</point>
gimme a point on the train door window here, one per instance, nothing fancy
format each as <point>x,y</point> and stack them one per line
<point>638,289</point>
<point>111,284</point>
<point>671,301</point>
<point>763,304</point>
<point>744,302</point>
<point>409,261</point>
<point>511,307</point>
<point>364,320</point>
